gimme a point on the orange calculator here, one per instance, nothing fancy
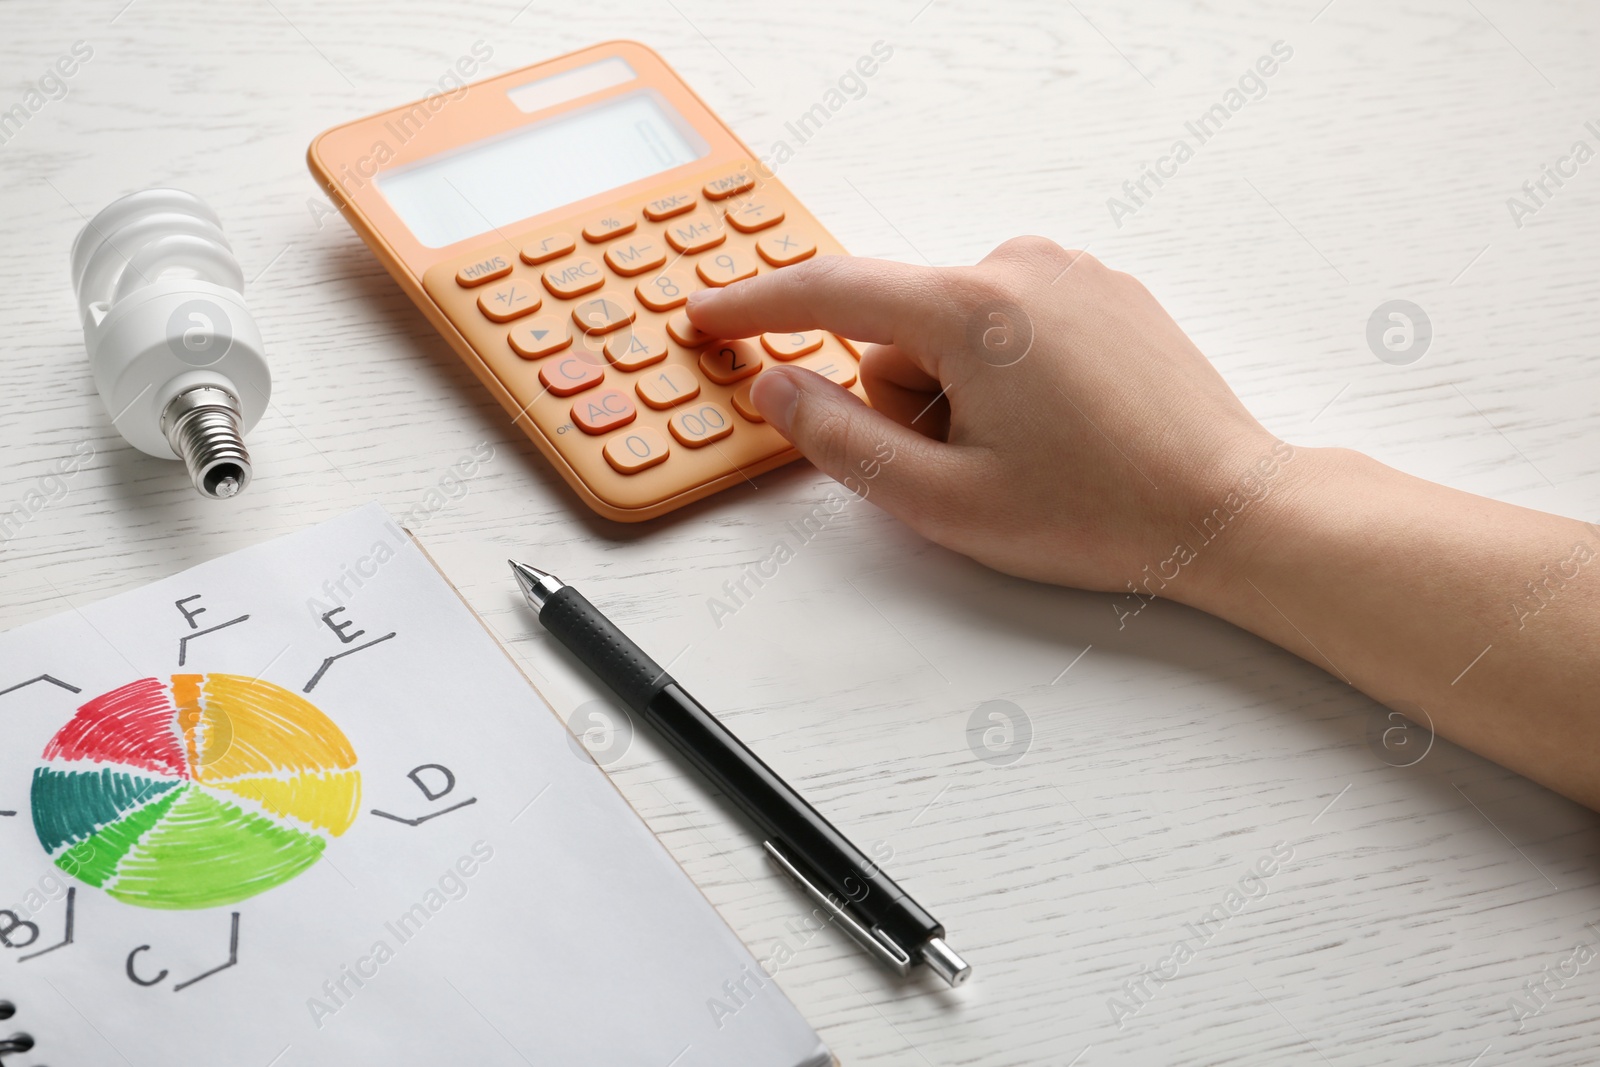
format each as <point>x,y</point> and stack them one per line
<point>551,223</point>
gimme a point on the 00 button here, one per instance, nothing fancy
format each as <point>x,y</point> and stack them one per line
<point>700,425</point>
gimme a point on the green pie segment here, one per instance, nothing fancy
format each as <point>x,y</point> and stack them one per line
<point>189,849</point>
<point>69,806</point>
<point>94,860</point>
<point>204,852</point>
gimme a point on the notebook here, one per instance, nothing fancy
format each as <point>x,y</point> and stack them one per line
<point>295,806</point>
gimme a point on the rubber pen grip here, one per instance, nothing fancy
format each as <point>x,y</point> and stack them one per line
<point>603,648</point>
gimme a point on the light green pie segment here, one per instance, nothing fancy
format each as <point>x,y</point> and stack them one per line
<point>204,852</point>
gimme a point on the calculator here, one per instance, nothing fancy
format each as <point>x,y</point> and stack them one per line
<point>551,224</point>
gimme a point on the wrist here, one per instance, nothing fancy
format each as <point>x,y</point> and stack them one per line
<point>1264,518</point>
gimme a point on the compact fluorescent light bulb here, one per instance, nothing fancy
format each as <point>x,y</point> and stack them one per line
<point>175,352</point>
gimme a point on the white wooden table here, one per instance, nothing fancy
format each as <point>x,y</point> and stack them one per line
<point>1173,755</point>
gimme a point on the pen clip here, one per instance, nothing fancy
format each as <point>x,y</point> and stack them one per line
<point>874,940</point>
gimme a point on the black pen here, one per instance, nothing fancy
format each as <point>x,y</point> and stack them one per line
<point>854,891</point>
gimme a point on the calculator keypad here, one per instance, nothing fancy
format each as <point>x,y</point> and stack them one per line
<point>582,325</point>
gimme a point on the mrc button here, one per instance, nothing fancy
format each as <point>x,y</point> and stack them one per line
<point>484,270</point>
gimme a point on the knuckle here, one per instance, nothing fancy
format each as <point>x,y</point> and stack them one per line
<point>1028,247</point>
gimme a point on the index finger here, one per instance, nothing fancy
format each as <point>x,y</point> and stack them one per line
<point>872,300</point>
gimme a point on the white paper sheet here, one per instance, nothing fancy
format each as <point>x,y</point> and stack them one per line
<point>529,917</point>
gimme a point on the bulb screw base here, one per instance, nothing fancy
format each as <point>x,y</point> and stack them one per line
<point>205,428</point>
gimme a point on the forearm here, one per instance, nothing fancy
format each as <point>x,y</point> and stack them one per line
<point>1485,614</point>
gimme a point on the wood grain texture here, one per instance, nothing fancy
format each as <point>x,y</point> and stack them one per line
<point>1175,753</point>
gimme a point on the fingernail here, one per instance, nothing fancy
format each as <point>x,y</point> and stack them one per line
<point>775,395</point>
<point>699,296</point>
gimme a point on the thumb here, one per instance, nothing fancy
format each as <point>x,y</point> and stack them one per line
<point>920,481</point>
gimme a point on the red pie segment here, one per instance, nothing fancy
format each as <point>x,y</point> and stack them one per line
<point>133,725</point>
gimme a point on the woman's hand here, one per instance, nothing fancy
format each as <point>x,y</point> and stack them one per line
<point>1046,416</point>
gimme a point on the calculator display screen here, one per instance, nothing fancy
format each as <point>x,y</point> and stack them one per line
<point>537,168</point>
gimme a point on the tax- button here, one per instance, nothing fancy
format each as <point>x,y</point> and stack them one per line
<point>635,257</point>
<point>601,314</point>
<point>602,412</point>
<point>666,207</point>
<point>632,452</point>
<point>574,277</point>
<point>484,270</point>
<point>700,424</point>
<point>571,374</point>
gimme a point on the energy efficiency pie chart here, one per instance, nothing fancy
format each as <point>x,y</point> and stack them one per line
<point>195,791</point>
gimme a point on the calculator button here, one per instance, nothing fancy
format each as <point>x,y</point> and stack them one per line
<point>837,368</point>
<point>603,412</point>
<point>611,224</point>
<point>725,268</point>
<point>785,247</point>
<point>752,213</point>
<point>636,349</point>
<point>663,292</point>
<point>547,248</point>
<point>730,361</point>
<point>672,384</point>
<point>635,450</point>
<point>744,405</point>
<point>792,345</point>
<point>695,233</point>
<point>509,300</point>
<point>571,374</point>
<point>635,257</point>
<point>539,337</point>
<point>602,314</point>
<point>670,205</point>
<point>574,277</point>
<point>484,270</point>
<point>700,425</point>
<point>684,332</point>
<point>729,185</point>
